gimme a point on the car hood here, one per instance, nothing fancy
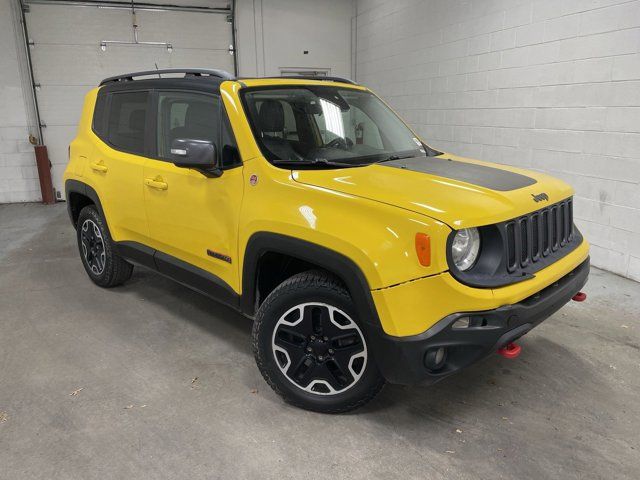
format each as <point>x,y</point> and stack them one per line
<point>458,191</point>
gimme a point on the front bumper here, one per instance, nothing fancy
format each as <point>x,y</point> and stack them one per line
<point>402,359</point>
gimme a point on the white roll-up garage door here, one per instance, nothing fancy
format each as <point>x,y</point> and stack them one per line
<point>68,59</point>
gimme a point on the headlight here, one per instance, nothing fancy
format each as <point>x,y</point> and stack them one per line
<point>465,248</point>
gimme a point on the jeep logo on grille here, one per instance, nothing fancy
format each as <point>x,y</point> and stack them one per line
<point>540,197</point>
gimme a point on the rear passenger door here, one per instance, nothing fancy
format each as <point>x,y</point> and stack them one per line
<point>116,165</point>
<point>193,218</point>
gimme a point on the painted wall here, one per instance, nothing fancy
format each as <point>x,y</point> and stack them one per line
<point>549,85</point>
<point>274,34</point>
<point>18,174</point>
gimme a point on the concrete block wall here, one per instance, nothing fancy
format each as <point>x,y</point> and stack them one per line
<point>550,85</point>
<point>18,173</point>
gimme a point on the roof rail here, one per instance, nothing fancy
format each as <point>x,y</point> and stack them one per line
<point>319,77</point>
<point>188,72</point>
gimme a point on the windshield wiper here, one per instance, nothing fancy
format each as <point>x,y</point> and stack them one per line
<point>394,157</point>
<point>315,161</point>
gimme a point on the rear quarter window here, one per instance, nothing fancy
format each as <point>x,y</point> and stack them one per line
<point>127,121</point>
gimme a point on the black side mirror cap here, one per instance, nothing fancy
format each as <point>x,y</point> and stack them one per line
<point>197,154</point>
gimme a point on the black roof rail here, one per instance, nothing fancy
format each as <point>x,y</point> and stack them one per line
<point>318,77</point>
<point>188,72</point>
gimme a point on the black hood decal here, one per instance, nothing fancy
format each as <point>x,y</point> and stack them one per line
<point>480,175</point>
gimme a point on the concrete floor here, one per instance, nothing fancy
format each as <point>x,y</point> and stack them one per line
<point>167,387</point>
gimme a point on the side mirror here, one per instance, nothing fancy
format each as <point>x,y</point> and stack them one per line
<point>197,154</point>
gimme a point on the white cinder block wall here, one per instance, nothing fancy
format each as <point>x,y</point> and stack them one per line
<point>18,173</point>
<point>551,85</point>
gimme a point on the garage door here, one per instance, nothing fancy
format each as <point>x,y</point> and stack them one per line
<point>68,58</point>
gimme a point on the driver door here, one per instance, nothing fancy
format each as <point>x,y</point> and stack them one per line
<point>193,218</point>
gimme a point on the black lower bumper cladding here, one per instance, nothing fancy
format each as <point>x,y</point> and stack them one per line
<point>409,360</point>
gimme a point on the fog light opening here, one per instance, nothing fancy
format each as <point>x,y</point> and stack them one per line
<point>462,322</point>
<point>435,358</point>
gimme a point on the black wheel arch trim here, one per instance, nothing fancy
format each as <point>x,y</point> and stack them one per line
<point>75,186</point>
<point>261,243</point>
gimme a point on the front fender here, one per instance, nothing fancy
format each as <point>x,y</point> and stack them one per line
<point>378,238</point>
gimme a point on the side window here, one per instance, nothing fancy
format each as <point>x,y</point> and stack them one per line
<point>186,115</point>
<point>126,122</point>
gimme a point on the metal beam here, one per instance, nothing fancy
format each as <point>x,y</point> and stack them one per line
<point>127,6</point>
<point>34,107</point>
<point>234,42</point>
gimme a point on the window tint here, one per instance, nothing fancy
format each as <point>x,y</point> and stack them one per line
<point>186,115</point>
<point>127,118</point>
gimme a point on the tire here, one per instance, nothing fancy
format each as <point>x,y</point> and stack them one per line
<point>310,348</point>
<point>97,250</point>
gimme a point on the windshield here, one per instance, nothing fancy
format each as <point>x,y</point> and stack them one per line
<point>327,127</point>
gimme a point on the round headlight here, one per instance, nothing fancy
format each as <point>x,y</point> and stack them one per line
<point>465,248</point>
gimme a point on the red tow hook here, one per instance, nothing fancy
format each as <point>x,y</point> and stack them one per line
<point>579,297</point>
<point>511,350</point>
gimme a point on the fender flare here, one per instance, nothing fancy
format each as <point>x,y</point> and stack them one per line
<point>76,186</point>
<point>343,267</point>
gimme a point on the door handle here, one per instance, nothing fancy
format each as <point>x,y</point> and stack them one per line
<point>99,167</point>
<point>156,183</point>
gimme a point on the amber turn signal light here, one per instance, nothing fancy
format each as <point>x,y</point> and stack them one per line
<point>423,249</point>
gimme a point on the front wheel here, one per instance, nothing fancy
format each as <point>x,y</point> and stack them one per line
<point>310,348</point>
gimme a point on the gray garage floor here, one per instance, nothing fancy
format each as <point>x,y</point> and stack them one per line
<point>152,380</point>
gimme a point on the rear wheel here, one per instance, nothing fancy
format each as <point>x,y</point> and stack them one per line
<point>310,348</point>
<point>97,250</point>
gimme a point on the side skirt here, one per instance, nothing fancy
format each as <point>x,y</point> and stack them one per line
<point>180,271</point>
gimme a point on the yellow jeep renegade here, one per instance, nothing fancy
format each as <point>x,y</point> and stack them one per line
<point>362,254</point>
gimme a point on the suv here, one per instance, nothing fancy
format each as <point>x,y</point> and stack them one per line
<point>362,254</point>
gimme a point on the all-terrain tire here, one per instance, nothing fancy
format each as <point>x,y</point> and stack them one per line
<point>98,252</point>
<point>299,299</point>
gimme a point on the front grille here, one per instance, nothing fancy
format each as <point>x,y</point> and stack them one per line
<point>514,250</point>
<point>535,236</point>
